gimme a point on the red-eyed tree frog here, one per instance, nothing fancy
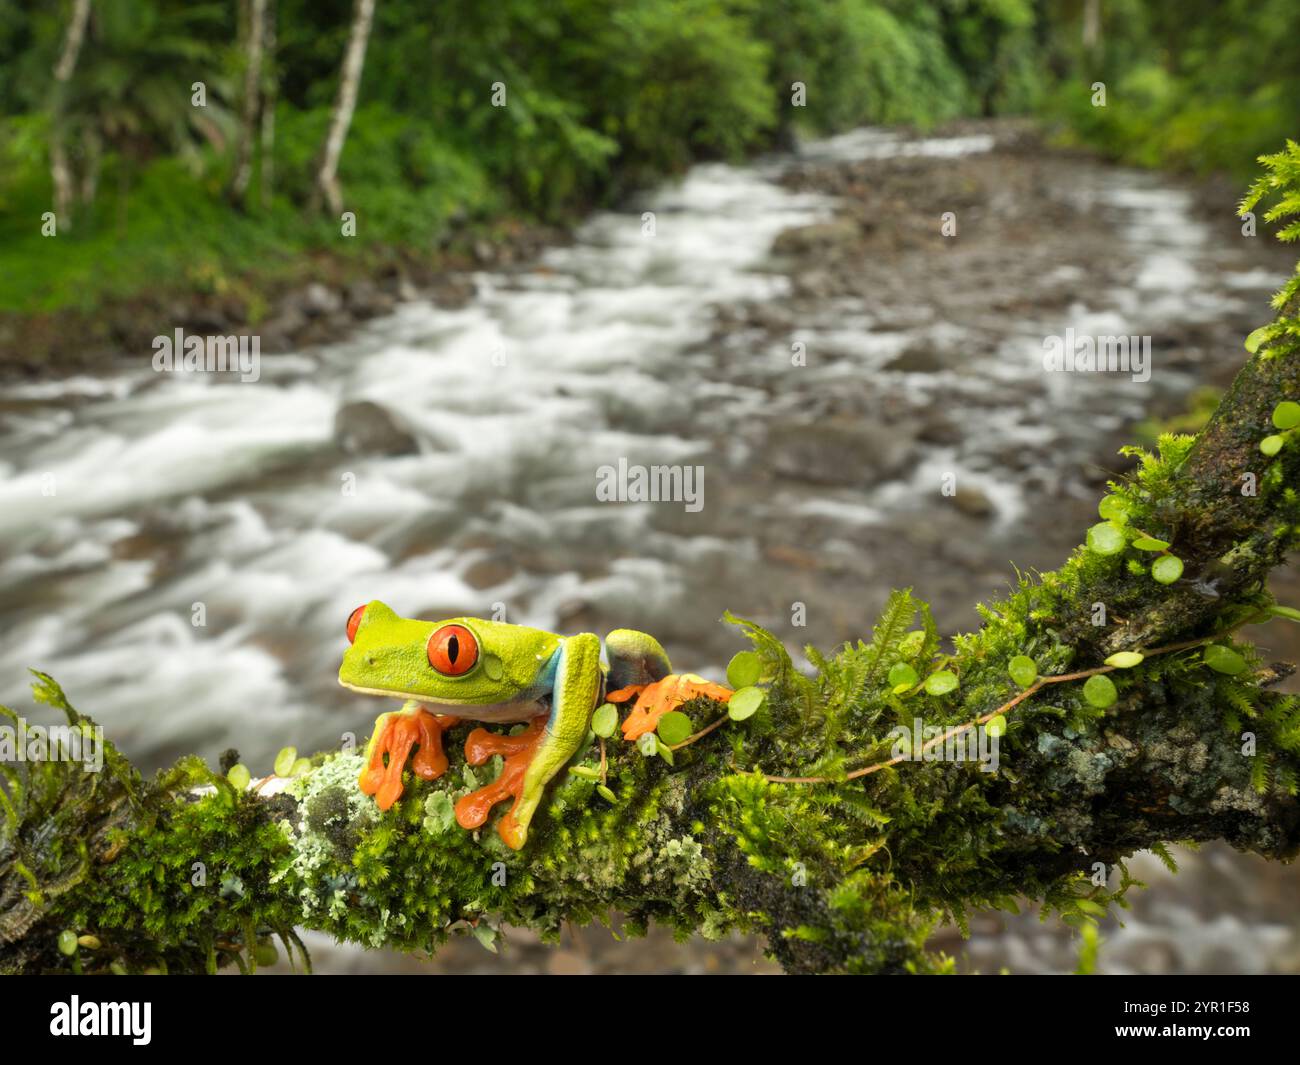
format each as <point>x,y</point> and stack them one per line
<point>473,669</point>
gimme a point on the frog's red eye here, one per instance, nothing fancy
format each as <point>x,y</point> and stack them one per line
<point>354,619</point>
<point>453,650</point>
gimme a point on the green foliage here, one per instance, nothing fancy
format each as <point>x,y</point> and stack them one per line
<point>1089,947</point>
<point>1194,85</point>
<point>133,902</point>
<point>601,97</point>
<point>1280,183</point>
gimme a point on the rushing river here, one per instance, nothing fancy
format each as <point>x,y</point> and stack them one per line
<point>181,550</point>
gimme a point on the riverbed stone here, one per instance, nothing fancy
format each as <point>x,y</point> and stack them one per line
<point>317,300</point>
<point>366,427</point>
<point>840,451</point>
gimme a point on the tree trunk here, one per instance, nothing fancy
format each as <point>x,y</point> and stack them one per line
<point>255,26</point>
<point>327,183</point>
<point>1091,24</point>
<point>92,152</point>
<point>60,170</point>
<point>267,183</point>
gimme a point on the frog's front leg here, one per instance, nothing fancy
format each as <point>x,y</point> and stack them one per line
<point>395,734</point>
<point>536,755</point>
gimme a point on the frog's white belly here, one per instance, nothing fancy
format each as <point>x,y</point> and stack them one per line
<point>492,712</point>
<point>519,710</point>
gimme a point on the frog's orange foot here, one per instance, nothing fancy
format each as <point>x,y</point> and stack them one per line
<point>395,737</point>
<point>655,700</point>
<point>473,810</point>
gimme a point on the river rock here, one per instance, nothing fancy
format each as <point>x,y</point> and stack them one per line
<point>973,502</point>
<point>937,428</point>
<point>316,300</point>
<point>921,357</point>
<point>840,451</point>
<point>367,300</point>
<point>365,427</point>
<point>818,237</point>
<point>452,293</point>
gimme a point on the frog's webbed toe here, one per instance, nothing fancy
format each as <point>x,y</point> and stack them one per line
<point>655,700</point>
<point>395,734</point>
<point>473,810</point>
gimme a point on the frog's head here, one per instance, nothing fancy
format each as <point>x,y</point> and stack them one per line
<point>457,662</point>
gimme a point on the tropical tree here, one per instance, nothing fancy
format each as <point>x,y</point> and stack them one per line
<point>254,20</point>
<point>126,97</point>
<point>354,58</point>
<point>60,171</point>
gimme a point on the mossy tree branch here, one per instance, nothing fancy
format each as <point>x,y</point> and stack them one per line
<point>187,873</point>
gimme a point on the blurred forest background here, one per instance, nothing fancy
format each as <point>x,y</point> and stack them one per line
<point>98,111</point>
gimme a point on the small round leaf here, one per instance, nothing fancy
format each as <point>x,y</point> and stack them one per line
<point>996,726</point>
<point>1106,538</point>
<point>1224,660</point>
<point>284,761</point>
<point>1125,659</point>
<point>744,669</point>
<point>902,675</point>
<point>941,682</point>
<point>648,744</point>
<point>1286,415</point>
<point>1100,691</point>
<point>239,776</point>
<point>1271,445</point>
<point>745,703</point>
<point>674,727</point>
<point>1023,670</point>
<point>1150,543</point>
<point>605,720</point>
<point>68,942</point>
<point>605,793</point>
<point>1167,569</point>
<point>1113,508</point>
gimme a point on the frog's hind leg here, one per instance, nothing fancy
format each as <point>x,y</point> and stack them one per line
<point>657,699</point>
<point>636,659</point>
<point>638,667</point>
<point>539,752</point>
